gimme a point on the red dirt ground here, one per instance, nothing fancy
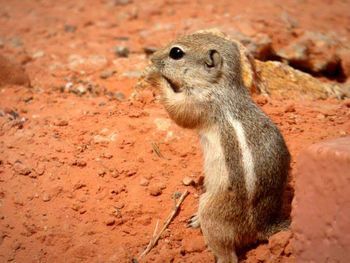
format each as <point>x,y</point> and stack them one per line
<point>77,173</point>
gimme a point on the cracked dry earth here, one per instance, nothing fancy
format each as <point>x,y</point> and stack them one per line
<point>87,169</point>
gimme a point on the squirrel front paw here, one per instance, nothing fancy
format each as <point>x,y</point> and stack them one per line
<point>194,222</point>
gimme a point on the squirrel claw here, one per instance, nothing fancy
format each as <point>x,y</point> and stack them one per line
<point>193,222</point>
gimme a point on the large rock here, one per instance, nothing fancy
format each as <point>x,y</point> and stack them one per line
<point>320,54</point>
<point>12,73</point>
<point>320,215</point>
<point>281,80</point>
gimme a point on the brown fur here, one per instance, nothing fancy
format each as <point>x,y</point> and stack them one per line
<point>241,145</point>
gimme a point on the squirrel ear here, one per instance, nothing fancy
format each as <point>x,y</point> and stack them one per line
<point>213,59</point>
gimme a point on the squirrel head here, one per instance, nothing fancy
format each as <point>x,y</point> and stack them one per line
<point>191,71</point>
<point>197,61</point>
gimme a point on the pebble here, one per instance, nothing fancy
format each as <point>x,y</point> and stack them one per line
<point>289,108</point>
<point>122,51</point>
<point>144,182</point>
<point>79,163</point>
<point>110,221</point>
<point>131,172</point>
<point>46,197</point>
<point>107,155</point>
<point>155,190</point>
<point>38,54</point>
<point>188,181</point>
<point>60,123</point>
<point>120,96</point>
<point>40,169</point>
<point>21,169</point>
<point>320,116</point>
<point>101,172</point>
<point>107,73</point>
<point>261,101</point>
<point>80,90</point>
<point>279,241</point>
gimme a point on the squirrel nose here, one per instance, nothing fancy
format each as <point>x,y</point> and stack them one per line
<point>154,59</point>
<point>157,61</point>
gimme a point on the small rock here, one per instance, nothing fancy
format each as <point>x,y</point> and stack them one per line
<point>122,51</point>
<point>46,197</point>
<point>60,123</point>
<point>78,186</point>
<point>76,206</point>
<point>79,163</point>
<point>107,155</point>
<point>101,172</point>
<point>107,73</point>
<point>279,241</point>
<point>120,96</point>
<point>21,168</point>
<point>342,133</point>
<point>188,181</point>
<point>261,100</point>
<point>119,205</point>
<point>155,190</point>
<point>110,221</point>
<point>321,116</point>
<point>40,169</point>
<point>80,90</point>
<point>144,182</point>
<point>289,108</point>
<point>131,172</point>
<point>288,250</point>
<point>16,245</point>
<point>38,54</point>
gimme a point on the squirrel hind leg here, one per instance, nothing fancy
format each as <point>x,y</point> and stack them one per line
<point>226,258</point>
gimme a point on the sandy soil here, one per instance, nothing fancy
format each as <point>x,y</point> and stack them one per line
<point>85,177</point>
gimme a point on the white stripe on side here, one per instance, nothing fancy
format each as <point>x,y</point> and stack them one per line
<point>247,157</point>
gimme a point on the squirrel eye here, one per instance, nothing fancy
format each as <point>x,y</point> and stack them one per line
<point>176,53</point>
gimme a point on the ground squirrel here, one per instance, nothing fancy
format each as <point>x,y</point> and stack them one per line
<point>246,160</point>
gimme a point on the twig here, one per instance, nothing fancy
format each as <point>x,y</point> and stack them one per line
<point>154,238</point>
<point>157,150</point>
<point>150,244</point>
